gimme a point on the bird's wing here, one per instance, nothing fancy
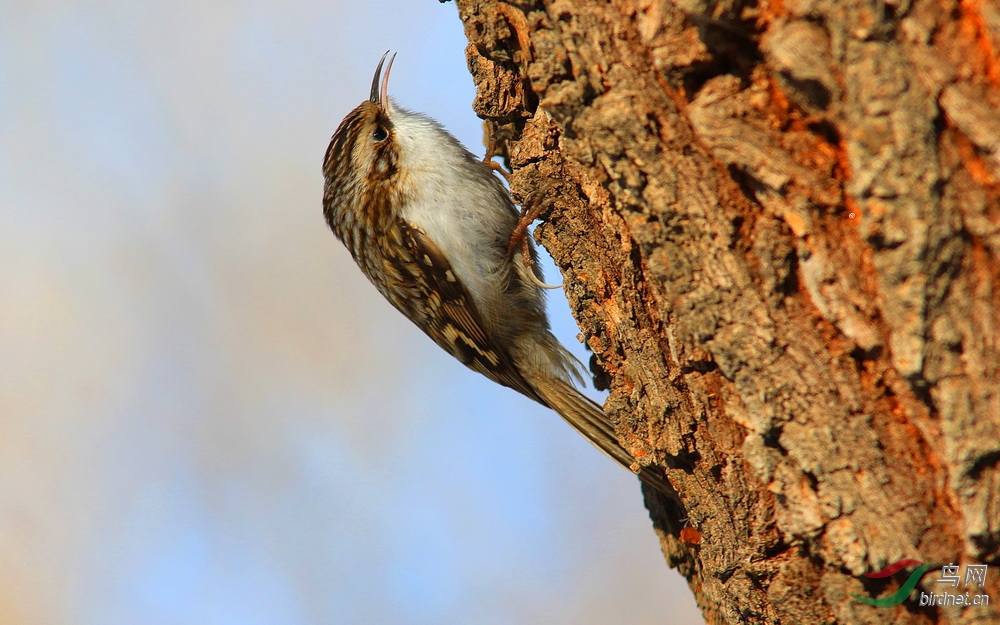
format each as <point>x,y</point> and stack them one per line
<point>429,292</point>
<point>438,302</point>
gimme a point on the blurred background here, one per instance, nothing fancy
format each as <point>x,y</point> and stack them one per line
<point>207,415</point>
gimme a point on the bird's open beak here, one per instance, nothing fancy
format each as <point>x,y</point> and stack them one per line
<point>378,94</point>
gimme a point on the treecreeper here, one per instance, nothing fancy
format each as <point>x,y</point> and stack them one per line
<point>434,229</point>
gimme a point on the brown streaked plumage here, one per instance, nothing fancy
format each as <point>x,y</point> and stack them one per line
<point>429,225</point>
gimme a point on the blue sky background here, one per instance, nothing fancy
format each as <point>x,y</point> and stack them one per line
<point>207,415</point>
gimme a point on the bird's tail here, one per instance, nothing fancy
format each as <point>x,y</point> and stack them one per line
<point>587,418</point>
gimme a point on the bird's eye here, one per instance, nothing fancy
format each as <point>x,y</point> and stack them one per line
<point>380,134</point>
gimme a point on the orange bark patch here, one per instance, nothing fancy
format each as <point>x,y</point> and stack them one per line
<point>972,29</point>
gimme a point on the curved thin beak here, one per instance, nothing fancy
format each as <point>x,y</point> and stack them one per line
<point>378,95</point>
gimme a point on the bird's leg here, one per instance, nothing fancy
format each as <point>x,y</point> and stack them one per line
<point>492,137</point>
<point>529,213</point>
<point>495,166</point>
<point>492,143</point>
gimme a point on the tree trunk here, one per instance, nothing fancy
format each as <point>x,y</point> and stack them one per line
<point>779,229</point>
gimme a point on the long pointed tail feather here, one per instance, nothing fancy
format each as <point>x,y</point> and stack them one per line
<point>587,418</point>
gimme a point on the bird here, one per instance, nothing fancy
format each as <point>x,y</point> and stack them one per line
<point>432,227</point>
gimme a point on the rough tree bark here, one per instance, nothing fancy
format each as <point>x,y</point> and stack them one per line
<point>778,223</point>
